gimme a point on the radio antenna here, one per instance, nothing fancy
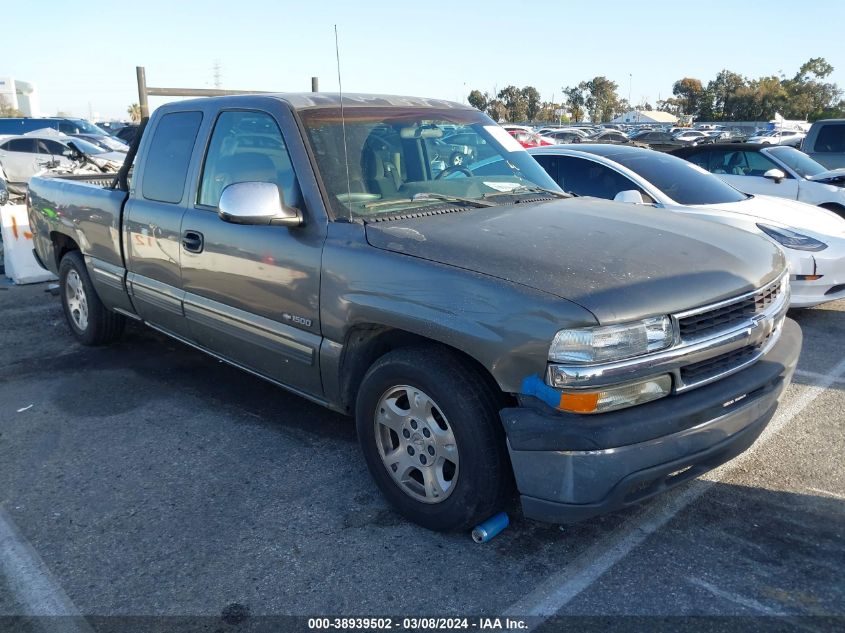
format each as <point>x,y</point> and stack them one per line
<point>343,126</point>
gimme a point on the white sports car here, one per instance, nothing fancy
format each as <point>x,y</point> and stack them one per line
<point>812,238</point>
<point>773,171</point>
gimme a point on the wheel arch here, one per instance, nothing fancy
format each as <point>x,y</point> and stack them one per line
<point>62,244</point>
<point>366,343</point>
<point>837,208</point>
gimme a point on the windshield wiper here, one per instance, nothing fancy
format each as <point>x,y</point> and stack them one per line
<point>530,189</point>
<point>428,196</point>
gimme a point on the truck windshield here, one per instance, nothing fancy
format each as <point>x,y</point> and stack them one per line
<point>403,158</point>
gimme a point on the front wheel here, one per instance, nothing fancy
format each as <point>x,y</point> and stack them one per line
<point>429,429</point>
<point>89,320</point>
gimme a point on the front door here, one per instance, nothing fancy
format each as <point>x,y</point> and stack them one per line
<point>252,292</point>
<point>152,220</point>
<point>744,170</point>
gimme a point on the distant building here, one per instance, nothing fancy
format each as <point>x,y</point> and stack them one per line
<point>21,95</point>
<point>646,116</point>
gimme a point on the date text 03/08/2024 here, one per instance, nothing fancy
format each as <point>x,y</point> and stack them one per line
<point>410,623</point>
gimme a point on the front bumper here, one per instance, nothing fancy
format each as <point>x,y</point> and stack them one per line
<point>571,467</point>
<point>829,263</point>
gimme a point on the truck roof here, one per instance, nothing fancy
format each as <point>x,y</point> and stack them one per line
<point>305,100</point>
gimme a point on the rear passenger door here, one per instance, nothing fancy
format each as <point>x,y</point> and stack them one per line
<point>152,222</point>
<point>252,292</point>
<point>19,157</point>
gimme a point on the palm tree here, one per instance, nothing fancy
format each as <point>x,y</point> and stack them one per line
<point>134,112</point>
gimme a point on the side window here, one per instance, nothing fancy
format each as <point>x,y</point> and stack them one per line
<point>549,163</point>
<point>758,164</point>
<point>52,148</point>
<point>586,178</point>
<point>66,127</point>
<point>831,138</point>
<point>26,145</point>
<point>702,159</point>
<point>166,165</point>
<point>246,147</point>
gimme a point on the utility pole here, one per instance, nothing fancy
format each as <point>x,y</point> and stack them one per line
<point>217,74</point>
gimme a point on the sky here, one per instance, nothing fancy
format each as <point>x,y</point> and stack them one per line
<point>83,57</point>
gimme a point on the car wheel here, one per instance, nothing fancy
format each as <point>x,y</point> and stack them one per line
<point>429,429</point>
<point>89,320</point>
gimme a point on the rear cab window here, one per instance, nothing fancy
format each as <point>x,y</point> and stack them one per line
<point>169,155</point>
<point>831,138</point>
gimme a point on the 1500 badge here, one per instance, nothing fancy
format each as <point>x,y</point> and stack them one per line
<point>298,320</point>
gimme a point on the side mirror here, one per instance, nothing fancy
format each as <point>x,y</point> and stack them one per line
<point>632,196</point>
<point>775,174</point>
<point>76,153</point>
<point>256,203</point>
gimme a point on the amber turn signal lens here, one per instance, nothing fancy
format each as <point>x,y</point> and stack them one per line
<point>578,402</point>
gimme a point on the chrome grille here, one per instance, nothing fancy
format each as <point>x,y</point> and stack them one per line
<point>723,317</point>
<point>695,373</point>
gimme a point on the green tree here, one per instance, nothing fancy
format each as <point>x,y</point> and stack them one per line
<point>497,111</point>
<point>724,90</point>
<point>6,109</point>
<point>515,103</point>
<point>533,102</point>
<point>688,92</point>
<point>134,112</point>
<point>575,102</point>
<point>478,100</point>
<point>602,101</point>
<point>808,94</point>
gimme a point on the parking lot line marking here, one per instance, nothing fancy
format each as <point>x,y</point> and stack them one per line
<point>748,603</point>
<point>33,586</point>
<point>816,376</point>
<point>827,493</point>
<point>560,589</point>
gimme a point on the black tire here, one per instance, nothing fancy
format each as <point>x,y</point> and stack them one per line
<point>102,326</point>
<point>471,406</point>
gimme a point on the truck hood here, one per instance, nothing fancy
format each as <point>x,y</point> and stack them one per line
<point>620,261</point>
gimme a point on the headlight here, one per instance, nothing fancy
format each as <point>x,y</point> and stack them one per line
<point>611,342</point>
<point>790,239</point>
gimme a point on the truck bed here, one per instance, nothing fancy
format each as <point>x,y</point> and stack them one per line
<point>82,208</point>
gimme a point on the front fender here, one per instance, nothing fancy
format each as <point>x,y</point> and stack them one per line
<point>504,326</point>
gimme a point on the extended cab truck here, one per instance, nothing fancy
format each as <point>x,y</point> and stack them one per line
<point>483,327</point>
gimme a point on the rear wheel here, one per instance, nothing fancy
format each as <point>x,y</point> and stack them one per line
<point>89,320</point>
<point>429,429</point>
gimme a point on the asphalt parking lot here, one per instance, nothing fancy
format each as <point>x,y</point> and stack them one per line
<point>148,479</point>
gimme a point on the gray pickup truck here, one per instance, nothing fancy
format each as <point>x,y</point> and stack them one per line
<point>485,329</point>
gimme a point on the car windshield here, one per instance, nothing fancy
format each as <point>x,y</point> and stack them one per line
<point>87,147</point>
<point>682,181</point>
<point>86,127</point>
<point>797,161</point>
<point>400,160</point>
